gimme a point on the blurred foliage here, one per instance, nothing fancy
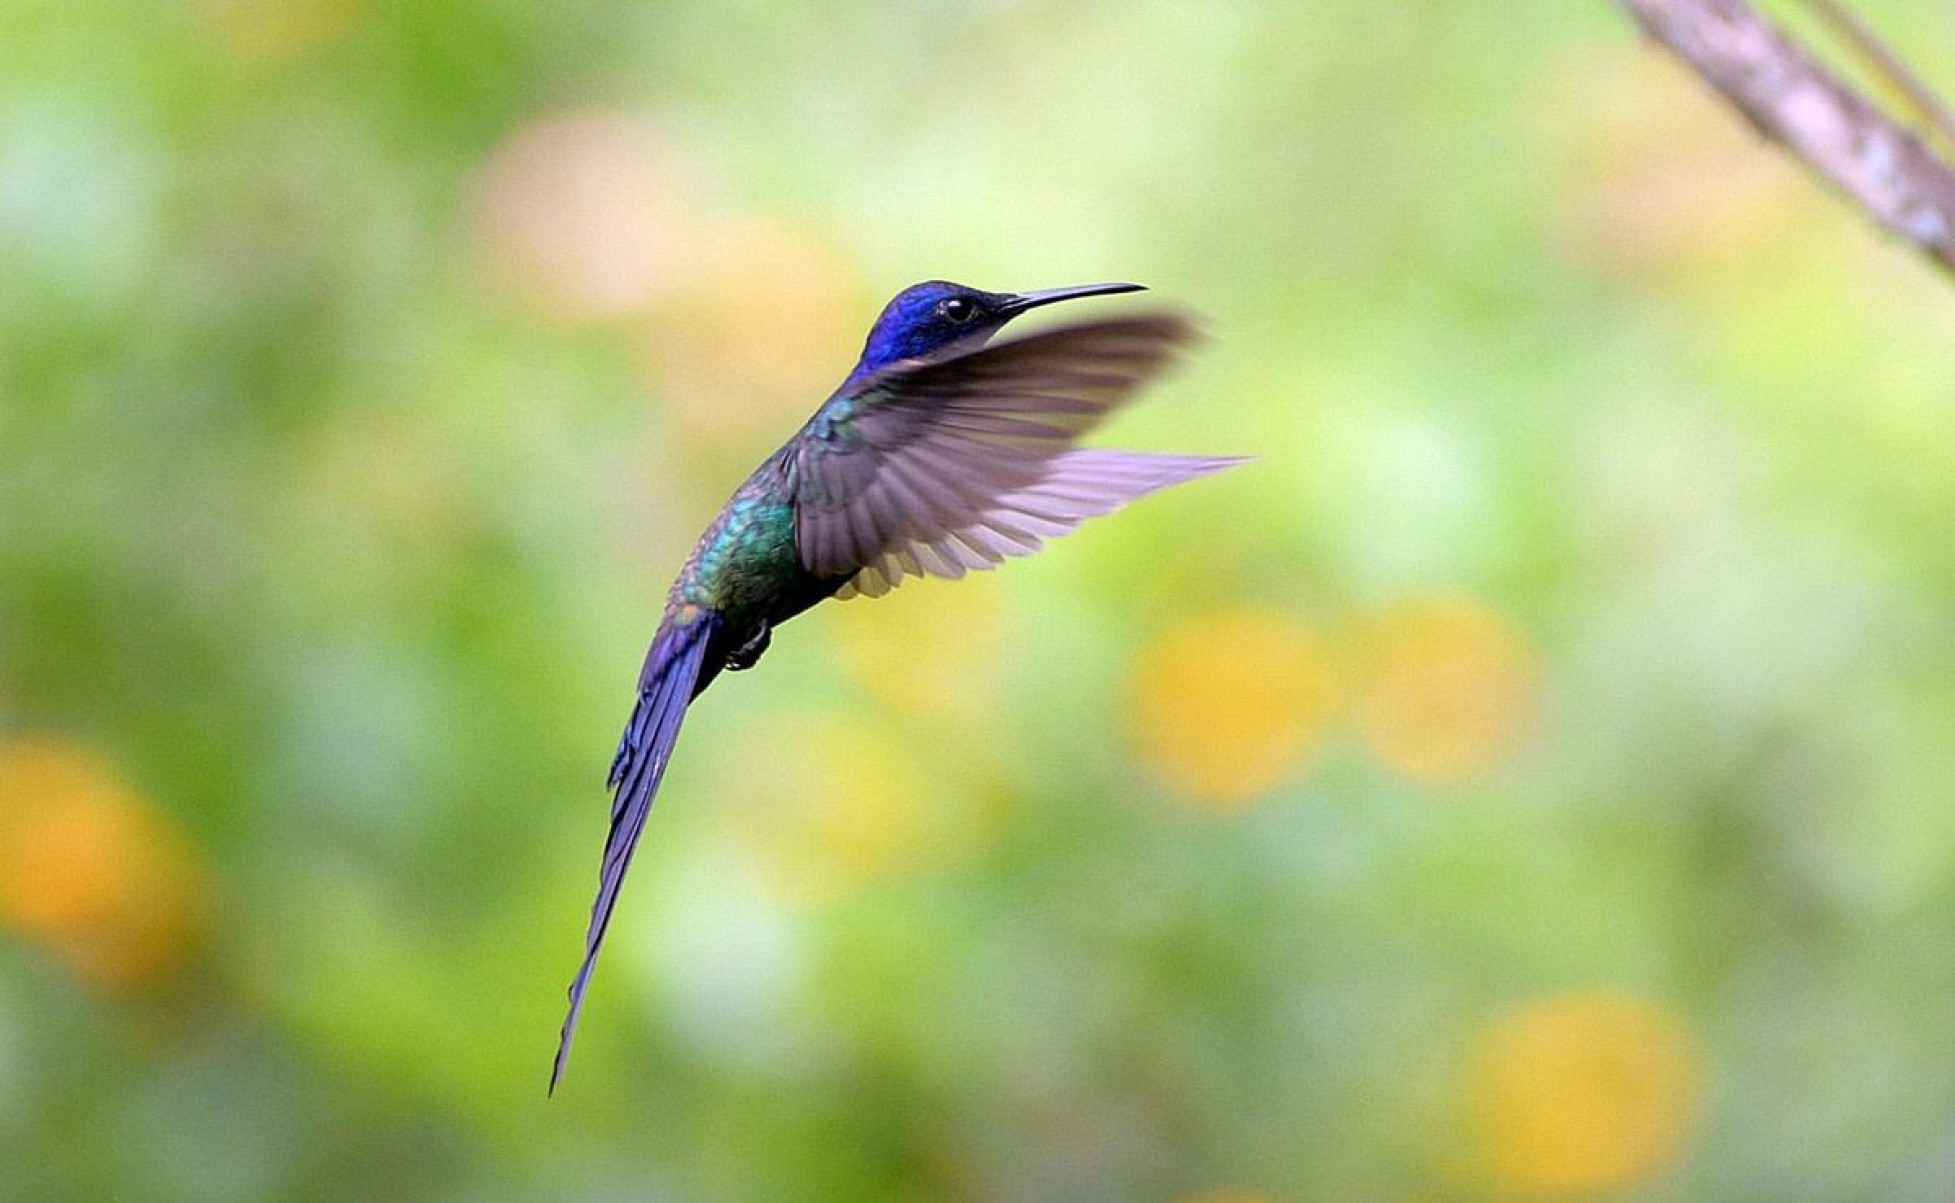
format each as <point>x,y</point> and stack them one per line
<point>1532,778</point>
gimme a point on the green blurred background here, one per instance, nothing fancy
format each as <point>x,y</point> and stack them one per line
<point>1534,777</point>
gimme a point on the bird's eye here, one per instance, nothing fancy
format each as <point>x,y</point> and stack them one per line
<point>958,310</point>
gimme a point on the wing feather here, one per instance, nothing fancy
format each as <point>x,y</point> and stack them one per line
<point>1081,484</point>
<point>950,466</point>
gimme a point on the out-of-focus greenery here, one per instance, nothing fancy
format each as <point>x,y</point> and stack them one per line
<point>1535,776</point>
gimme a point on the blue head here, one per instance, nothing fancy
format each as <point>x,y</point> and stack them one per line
<point>936,318</point>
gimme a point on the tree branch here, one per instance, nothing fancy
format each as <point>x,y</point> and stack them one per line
<point>1792,99</point>
<point>1888,66</point>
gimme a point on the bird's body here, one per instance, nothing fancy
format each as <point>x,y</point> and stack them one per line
<point>937,455</point>
<point>744,567</point>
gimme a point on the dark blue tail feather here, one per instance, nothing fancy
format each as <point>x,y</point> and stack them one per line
<point>667,685</point>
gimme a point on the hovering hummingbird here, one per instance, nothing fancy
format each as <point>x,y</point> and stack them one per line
<point>938,455</point>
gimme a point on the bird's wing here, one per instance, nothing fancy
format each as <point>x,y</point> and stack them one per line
<point>944,467</point>
<point>1075,485</point>
<point>665,687</point>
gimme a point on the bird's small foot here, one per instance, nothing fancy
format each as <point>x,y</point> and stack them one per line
<point>748,654</point>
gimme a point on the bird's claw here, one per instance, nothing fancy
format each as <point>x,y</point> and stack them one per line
<point>748,654</point>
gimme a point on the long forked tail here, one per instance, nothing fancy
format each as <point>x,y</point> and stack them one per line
<point>665,687</point>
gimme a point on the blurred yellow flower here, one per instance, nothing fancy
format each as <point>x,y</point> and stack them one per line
<point>88,868</point>
<point>1229,703</point>
<point>258,31</point>
<point>836,804</point>
<point>1663,185</point>
<point>1581,1092</point>
<point>586,214</point>
<point>764,328</point>
<point>931,648</point>
<point>1449,689</point>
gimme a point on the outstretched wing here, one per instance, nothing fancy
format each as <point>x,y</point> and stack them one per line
<point>954,465</point>
<point>1072,487</point>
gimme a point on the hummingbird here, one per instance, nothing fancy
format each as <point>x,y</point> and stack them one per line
<point>940,454</point>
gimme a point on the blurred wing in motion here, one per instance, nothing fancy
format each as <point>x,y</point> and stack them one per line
<point>950,466</point>
<point>1073,487</point>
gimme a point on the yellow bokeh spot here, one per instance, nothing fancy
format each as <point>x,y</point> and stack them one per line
<point>1230,703</point>
<point>588,215</point>
<point>1449,689</point>
<point>931,648</point>
<point>763,329</point>
<point>1659,187</point>
<point>88,868</point>
<point>835,805</point>
<point>259,31</point>
<point>1581,1092</point>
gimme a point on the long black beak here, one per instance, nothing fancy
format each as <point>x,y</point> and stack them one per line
<point>1022,301</point>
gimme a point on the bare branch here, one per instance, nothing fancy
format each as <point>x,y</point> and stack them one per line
<point>1794,100</point>
<point>1888,65</point>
